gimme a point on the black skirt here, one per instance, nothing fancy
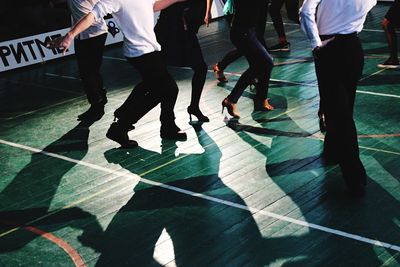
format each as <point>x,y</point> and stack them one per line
<point>176,31</point>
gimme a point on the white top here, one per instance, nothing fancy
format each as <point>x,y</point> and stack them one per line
<point>80,8</point>
<point>136,21</point>
<point>333,17</point>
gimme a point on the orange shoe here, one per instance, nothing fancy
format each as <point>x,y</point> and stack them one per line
<point>262,105</point>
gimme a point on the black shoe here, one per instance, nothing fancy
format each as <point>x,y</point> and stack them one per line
<point>196,111</point>
<point>389,64</point>
<point>94,113</point>
<point>231,107</point>
<point>281,47</point>
<point>119,134</point>
<point>172,132</point>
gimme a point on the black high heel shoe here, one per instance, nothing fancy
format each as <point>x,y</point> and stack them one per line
<point>196,111</point>
<point>231,107</point>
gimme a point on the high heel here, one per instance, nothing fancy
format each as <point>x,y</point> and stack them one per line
<point>322,122</point>
<point>230,107</point>
<point>262,105</point>
<point>196,111</point>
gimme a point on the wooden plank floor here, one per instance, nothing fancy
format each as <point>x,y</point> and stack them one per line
<point>253,193</point>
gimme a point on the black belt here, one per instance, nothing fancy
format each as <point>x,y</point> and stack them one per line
<point>338,36</point>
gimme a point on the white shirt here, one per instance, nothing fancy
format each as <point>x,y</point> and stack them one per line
<point>333,17</point>
<point>136,21</point>
<point>80,8</point>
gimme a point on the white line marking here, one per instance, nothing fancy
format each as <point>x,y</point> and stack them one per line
<point>372,74</point>
<point>115,58</point>
<point>316,85</point>
<point>61,76</point>
<point>213,199</point>
<point>381,150</point>
<point>377,94</point>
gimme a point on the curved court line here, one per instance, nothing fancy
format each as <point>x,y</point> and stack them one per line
<point>72,253</point>
<point>378,135</point>
<point>201,196</point>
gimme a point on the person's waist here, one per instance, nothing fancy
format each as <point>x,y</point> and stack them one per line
<point>338,36</point>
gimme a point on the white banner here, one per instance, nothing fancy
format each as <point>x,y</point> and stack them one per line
<point>32,50</point>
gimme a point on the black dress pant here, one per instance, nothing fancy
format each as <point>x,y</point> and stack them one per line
<point>248,42</point>
<point>339,67</point>
<point>89,53</point>
<point>157,86</point>
<point>292,8</point>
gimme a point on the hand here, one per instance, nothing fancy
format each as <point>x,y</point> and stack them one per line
<point>207,19</point>
<point>61,42</point>
<point>327,41</point>
<point>316,50</point>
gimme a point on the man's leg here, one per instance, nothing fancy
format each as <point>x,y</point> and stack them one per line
<point>157,87</point>
<point>391,37</point>
<point>275,12</point>
<point>337,86</point>
<point>389,23</point>
<point>292,8</point>
<point>89,54</point>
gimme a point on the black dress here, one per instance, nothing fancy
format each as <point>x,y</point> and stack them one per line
<point>176,31</point>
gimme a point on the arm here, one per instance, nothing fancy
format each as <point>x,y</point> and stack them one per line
<point>65,41</point>
<point>162,4</point>
<point>207,17</point>
<point>102,8</point>
<point>307,21</point>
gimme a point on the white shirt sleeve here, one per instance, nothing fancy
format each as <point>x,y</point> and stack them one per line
<point>308,23</point>
<point>104,7</point>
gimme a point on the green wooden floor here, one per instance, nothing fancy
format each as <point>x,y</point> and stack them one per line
<point>254,193</point>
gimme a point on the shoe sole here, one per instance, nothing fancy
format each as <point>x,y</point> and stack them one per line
<point>388,66</point>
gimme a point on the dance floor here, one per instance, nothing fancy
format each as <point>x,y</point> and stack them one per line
<point>249,193</point>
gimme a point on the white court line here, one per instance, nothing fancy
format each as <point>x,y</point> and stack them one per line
<point>290,82</point>
<point>316,85</point>
<point>61,76</point>
<point>209,198</point>
<point>115,58</point>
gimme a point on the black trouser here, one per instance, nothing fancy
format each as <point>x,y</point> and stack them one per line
<point>229,57</point>
<point>292,8</point>
<point>339,67</point>
<point>157,86</point>
<point>89,53</point>
<point>260,63</point>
